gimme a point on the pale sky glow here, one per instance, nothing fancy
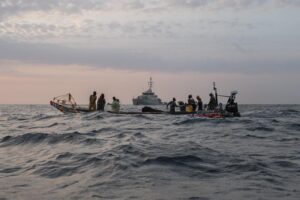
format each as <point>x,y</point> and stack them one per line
<point>48,48</point>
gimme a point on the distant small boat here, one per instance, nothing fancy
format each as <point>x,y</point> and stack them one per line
<point>148,97</point>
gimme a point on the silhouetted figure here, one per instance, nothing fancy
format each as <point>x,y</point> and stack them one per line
<point>231,105</point>
<point>92,104</point>
<point>101,102</point>
<point>212,102</point>
<point>172,105</point>
<point>181,106</point>
<point>199,103</point>
<point>191,102</point>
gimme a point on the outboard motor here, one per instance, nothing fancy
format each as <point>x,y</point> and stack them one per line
<point>232,106</point>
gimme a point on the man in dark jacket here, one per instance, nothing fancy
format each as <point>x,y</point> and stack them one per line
<point>212,102</point>
<point>101,102</point>
<point>200,104</point>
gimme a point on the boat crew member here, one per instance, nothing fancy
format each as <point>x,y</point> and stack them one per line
<point>101,102</point>
<point>115,105</point>
<point>181,106</point>
<point>231,105</point>
<point>199,103</point>
<point>93,98</point>
<point>212,102</point>
<point>172,105</point>
<point>191,102</point>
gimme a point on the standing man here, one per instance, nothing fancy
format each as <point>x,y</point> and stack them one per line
<point>191,102</point>
<point>93,98</point>
<point>200,103</point>
<point>101,103</point>
<point>172,105</point>
<point>212,102</point>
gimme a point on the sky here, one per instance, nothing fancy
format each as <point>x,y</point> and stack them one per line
<point>49,48</point>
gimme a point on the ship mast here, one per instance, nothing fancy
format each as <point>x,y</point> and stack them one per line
<point>150,83</point>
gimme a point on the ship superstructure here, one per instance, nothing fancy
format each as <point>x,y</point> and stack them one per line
<point>148,97</point>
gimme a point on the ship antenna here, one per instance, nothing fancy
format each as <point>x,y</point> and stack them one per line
<point>150,83</point>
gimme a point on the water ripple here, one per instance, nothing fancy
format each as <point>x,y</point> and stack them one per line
<point>45,154</point>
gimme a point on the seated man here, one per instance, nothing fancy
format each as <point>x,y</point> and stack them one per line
<point>181,106</point>
<point>115,105</point>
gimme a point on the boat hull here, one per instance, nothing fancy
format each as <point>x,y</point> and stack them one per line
<point>202,114</point>
<point>146,102</point>
<point>69,109</point>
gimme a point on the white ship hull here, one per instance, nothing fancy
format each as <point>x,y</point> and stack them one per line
<point>146,101</point>
<point>148,97</point>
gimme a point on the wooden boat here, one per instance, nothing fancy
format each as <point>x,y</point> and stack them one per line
<point>67,104</point>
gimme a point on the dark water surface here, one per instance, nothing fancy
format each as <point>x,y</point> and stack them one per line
<point>48,155</point>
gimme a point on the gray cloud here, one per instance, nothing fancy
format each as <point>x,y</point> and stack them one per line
<point>89,29</point>
<point>231,3</point>
<point>14,7</point>
<point>143,60</point>
<point>190,3</point>
<point>60,55</point>
<point>128,44</point>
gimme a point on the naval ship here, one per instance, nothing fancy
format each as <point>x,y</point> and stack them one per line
<point>148,97</point>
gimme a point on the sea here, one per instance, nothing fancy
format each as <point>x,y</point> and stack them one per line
<point>45,154</point>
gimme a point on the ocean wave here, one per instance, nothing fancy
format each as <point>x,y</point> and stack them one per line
<point>40,117</point>
<point>294,126</point>
<point>30,127</point>
<point>47,126</point>
<point>198,198</point>
<point>18,118</point>
<point>192,121</point>
<point>10,170</point>
<point>242,167</point>
<point>176,160</point>
<point>93,116</point>
<point>286,164</point>
<point>90,155</point>
<point>36,138</point>
<point>255,136</point>
<point>67,164</point>
<point>188,161</point>
<point>271,112</point>
<point>286,112</point>
<point>261,128</point>
<point>245,120</point>
<point>55,171</point>
<point>288,139</point>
